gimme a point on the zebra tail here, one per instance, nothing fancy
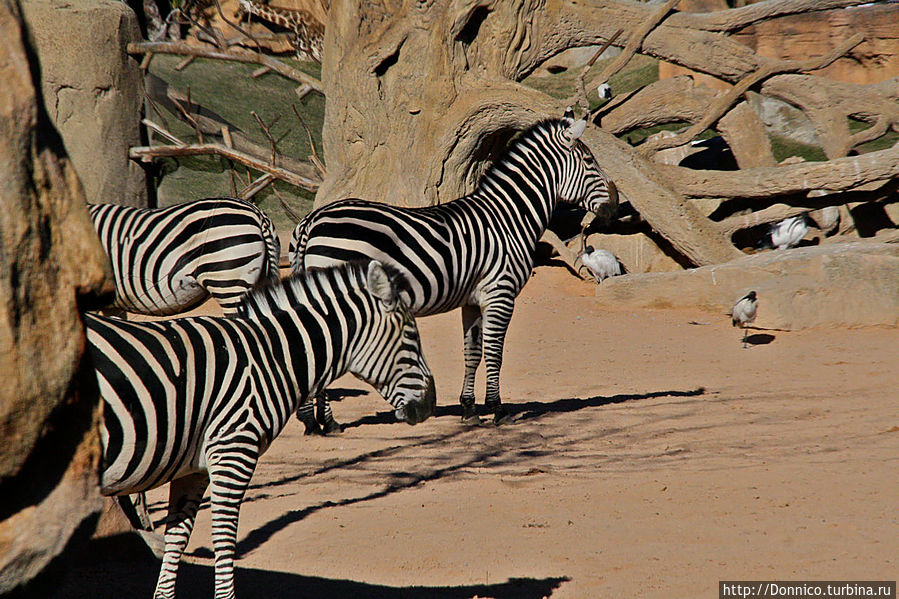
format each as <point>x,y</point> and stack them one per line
<point>298,242</point>
<point>272,248</point>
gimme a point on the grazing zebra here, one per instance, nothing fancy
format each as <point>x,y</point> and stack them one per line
<point>196,401</point>
<point>476,252</point>
<point>168,260</point>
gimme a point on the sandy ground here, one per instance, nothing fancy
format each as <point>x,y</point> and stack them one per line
<point>652,457</point>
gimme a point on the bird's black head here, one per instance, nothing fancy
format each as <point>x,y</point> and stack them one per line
<point>751,296</point>
<point>588,249</point>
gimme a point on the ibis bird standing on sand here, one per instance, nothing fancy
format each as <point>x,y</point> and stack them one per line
<point>744,312</point>
<point>601,263</point>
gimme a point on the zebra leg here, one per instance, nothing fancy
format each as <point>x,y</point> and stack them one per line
<point>496,321</point>
<point>185,495</point>
<point>231,466</point>
<point>325,417</point>
<point>135,509</point>
<point>471,332</point>
<point>306,415</point>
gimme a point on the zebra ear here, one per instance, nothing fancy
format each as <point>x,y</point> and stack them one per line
<point>574,131</point>
<point>380,285</point>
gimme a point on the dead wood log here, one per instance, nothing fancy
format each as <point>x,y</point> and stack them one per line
<point>147,153</point>
<point>840,174</point>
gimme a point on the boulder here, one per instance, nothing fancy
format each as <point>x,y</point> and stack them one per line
<point>93,91</point>
<point>51,263</point>
<point>839,284</point>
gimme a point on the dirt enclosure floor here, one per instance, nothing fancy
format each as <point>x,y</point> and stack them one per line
<point>652,456</point>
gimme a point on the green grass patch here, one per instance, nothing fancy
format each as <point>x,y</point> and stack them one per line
<point>229,90</point>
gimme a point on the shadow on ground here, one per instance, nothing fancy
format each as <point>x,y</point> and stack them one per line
<point>102,577</point>
<point>535,409</point>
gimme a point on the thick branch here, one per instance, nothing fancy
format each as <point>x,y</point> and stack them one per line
<point>147,154</point>
<point>183,49</point>
<point>727,99</point>
<point>738,18</point>
<point>834,175</point>
<point>634,42</point>
<point>672,216</point>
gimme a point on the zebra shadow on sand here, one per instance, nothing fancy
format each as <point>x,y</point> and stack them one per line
<point>530,410</point>
<point>99,576</point>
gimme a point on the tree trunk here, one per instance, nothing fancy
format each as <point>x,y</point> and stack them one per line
<point>421,97</point>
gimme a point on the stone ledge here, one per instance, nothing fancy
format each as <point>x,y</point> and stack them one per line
<point>846,284</point>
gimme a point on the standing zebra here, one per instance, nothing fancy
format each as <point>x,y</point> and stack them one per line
<point>476,252</point>
<point>196,401</point>
<point>168,260</point>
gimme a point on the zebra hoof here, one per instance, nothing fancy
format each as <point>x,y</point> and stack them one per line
<point>501,415</point>
<point>469,416</point>
<point>332,428</point>
<point>313,429</point>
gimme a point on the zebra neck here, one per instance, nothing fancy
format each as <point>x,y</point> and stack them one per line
<point>524,188</point>
<point>319,352</point>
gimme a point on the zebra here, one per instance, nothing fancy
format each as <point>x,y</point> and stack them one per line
<point>168,260</point>
<point>195,401</point>
<point>476,252</point>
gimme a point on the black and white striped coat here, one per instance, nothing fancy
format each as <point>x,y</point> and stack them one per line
<point>196,401</point>
<point>476,252</point>
<point>168,260</point>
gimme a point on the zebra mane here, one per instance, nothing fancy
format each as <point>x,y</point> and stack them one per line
<point>545,126</point>
<point>307,287</point>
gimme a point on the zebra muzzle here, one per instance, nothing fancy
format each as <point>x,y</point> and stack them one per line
<point>419,410</point>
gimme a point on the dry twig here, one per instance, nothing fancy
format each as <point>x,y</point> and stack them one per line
<point>245,56</point>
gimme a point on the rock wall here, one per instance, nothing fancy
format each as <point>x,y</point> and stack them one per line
<point>803,36</point>
<point>50,262</point>
<point>93,91</point>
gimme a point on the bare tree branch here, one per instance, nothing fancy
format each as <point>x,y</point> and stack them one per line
<point>183,49</point>
<point>723,102</point>
<point>581,90</point>
<point>633,43</point>
<point>145,154</point>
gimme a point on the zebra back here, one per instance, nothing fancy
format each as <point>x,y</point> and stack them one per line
<point>455,251</point>
<point>168,260</point>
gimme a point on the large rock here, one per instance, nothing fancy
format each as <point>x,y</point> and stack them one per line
<point>840,284</point>
<point>50,261</point>
<point>93,91</point>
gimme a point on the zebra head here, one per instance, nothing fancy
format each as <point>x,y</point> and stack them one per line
<point>389,357</point>
<point>583,182</point>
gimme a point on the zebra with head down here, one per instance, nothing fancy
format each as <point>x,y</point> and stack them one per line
<point>196,401</point>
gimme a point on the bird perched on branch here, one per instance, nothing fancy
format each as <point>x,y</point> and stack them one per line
<point>601,263</point>
<point>744,312</point>
<point>787,233</point>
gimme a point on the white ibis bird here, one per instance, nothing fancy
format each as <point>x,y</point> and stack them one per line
<point>601,263</point>
<point>744,312</point>
<point>604,91</point>
<point>787,233</point>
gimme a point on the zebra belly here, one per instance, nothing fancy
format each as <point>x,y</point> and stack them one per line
<point>161,298</point>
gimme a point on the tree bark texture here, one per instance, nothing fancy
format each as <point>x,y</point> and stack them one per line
<point>422,96</point>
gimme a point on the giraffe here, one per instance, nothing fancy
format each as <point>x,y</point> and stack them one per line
<point>305,31</point>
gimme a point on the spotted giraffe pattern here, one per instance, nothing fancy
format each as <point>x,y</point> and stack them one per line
<point>305,31</point>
